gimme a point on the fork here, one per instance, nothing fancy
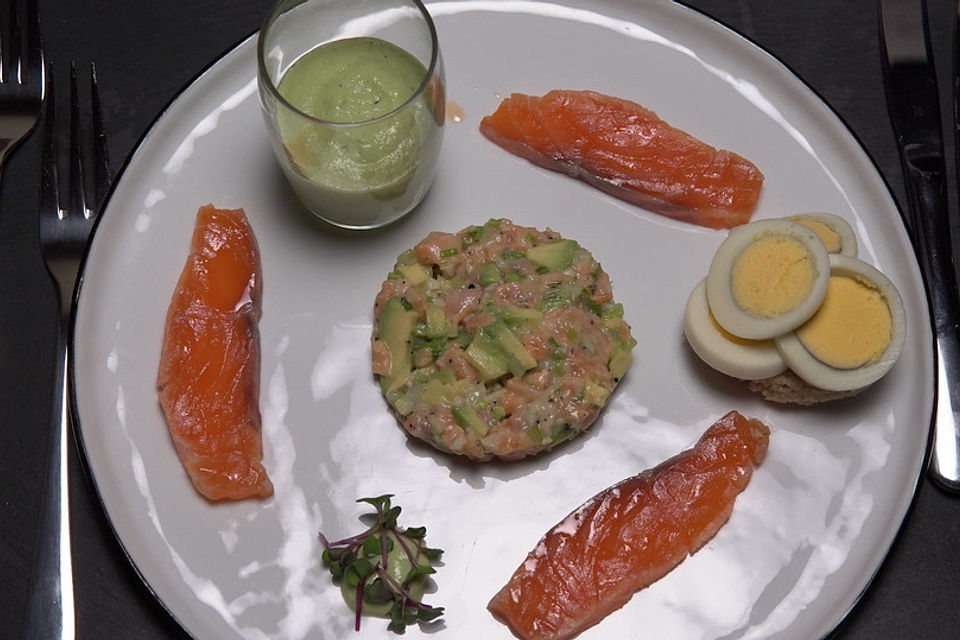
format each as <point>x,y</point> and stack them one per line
<point>64,236</point>
<point>21,75</point>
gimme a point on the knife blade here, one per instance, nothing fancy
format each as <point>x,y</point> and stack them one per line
<point>914,104</point>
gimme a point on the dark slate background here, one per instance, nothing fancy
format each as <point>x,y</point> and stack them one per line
<point>147,51</point>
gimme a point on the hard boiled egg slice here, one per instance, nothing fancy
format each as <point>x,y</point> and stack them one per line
<point>855,336</point>
<point>725,352</point>
<point>835,232</point>
<point>767,278</point>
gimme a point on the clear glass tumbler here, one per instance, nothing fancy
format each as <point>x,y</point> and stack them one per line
<point>354,101</point>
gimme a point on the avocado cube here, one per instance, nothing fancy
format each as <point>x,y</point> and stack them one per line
<point>596,394</point>
<point>485,354</point>
<point>620,359</point>
<point>489,274</point>
<point>396,331</point>
<point>415,274</point>
<point>434,393</point>
<point>520,318</point>
<point>520,359</point>
<point>445,376</point>
<point>555,256</point>
<point>468,418</point>
<point>436,322</point>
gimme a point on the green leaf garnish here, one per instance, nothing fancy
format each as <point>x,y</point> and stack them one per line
<point>362,563</point>
<point>416,532</point>
<point>377,593</point>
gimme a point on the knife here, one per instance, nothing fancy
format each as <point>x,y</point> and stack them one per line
<point>914,104</point>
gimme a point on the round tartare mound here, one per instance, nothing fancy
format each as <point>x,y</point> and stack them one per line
<point>498,341</point>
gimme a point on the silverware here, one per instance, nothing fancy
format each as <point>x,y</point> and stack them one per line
<point>914,104</point>
<point>64,235</point>
<point>21,75</point>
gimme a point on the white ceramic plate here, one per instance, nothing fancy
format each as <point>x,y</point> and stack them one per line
<point>805,538</point>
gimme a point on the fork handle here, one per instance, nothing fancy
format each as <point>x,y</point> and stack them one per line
<point>50,605</point>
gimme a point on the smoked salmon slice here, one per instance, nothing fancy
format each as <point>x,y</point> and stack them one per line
<point>630,535</point>
<point>627,151</point>
<point>209,378</point>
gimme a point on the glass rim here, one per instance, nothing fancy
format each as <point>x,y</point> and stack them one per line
<point>275,91</point>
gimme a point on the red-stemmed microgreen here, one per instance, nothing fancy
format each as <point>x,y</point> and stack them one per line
<point>362,563</point>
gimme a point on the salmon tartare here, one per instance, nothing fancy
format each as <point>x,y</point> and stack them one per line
<point>499,341</point>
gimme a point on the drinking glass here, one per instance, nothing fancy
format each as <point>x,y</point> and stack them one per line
<point>358,138</point>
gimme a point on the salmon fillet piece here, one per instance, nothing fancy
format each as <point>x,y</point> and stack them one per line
<point>627,151</point>
<point>209,377</point>
<point>630,535</point>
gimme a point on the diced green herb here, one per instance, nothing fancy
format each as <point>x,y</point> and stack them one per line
<point>556,297</point>
<point>591,305</point>
<point>562,432</point>
<point>436,345</point>
<point>472,235</point>
<point>463,338</point>
<point>407,257</point>
<point>612,310</point>
<point>533,432</point>
<point>513,276</point>
<point>468,418</point>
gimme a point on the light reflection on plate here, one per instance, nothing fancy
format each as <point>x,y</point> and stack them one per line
<point>806,536</point>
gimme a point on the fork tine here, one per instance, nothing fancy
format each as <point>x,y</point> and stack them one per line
<point>21,48</point>
<point>77,202</point>
<point>74,170</point>
<point>31,54</point>
<point>101,157</point>
<point>8,33</point>
<point>49,178</point>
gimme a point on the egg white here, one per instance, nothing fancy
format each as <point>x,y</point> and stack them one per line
<point>824,376</point>
<point>719,282</point>
<point>848,239</point>
<point>754,361</point>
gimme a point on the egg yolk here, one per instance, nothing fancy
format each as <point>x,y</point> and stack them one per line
<point>829,237</point>
<point>773,275</point>
<point>852,327</point>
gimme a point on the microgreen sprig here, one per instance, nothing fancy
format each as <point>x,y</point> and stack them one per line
<point>362,562</point>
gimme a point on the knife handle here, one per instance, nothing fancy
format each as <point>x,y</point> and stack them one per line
<point>926,188</point>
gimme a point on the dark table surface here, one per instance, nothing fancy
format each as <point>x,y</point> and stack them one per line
<point>146,51</point>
